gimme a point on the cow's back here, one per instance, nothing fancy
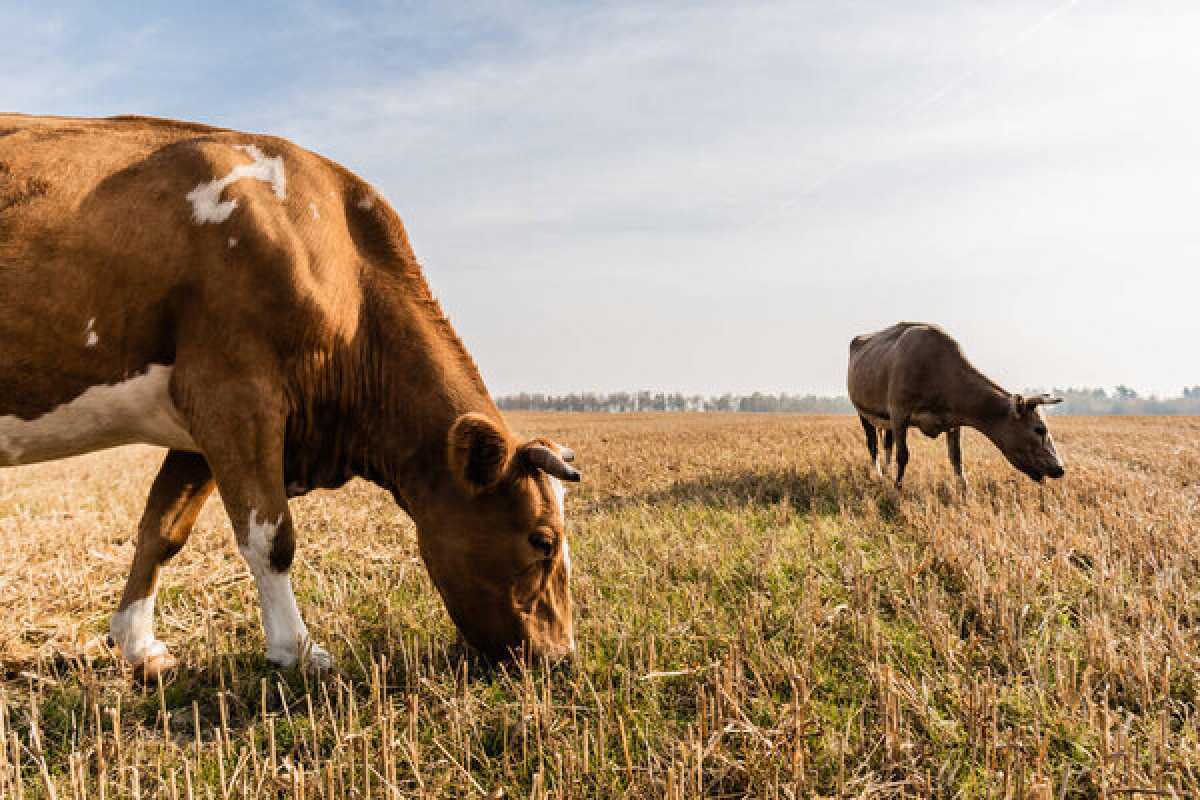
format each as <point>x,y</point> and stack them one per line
<point>119,237</point>
<point>894,365</point>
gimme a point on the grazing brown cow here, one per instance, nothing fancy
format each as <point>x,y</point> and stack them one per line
<point>257,310</point>
<point>916,374</point>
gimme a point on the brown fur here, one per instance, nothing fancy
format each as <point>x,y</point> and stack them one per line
<point>309,353</point>
<point>915,374</point>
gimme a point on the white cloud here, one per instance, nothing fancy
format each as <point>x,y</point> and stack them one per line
<point>713,195</point>
<point>731,192</point>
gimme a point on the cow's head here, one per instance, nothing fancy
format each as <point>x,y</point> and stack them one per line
<point>497,547</point>
<point>1022,435</point>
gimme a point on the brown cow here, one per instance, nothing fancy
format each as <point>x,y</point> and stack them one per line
<point>916,374</point>
<point>257,310</point>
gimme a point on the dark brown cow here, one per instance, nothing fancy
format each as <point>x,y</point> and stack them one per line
<point>915,374</point>
<point>257,310</point>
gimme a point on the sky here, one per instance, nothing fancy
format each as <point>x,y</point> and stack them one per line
<point>712,196</point>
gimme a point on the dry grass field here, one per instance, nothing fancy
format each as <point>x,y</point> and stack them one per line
<point>757,616</point>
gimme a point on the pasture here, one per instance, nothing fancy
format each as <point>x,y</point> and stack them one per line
<point>757,616</point>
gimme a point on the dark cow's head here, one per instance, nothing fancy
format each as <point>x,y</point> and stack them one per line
<point>1023,437</point>
<point>496,547</point>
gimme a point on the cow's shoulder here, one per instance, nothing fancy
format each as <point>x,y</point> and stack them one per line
<point>249,188</point>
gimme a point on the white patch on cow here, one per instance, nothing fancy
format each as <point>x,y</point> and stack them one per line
<point>232,242</point>
<point>286,633</point>
<point>560,497</point>
<point>207,205</point>
<point>560,494</point>
<point>312,209</point>
<point>1058,462</point>
<point>366,202</point>
<point>132,629</point>
<point>137,411</point>
<point>91,339</point>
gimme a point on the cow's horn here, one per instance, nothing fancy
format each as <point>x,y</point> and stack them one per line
<point>1045,400</point>
<point>551,463</point>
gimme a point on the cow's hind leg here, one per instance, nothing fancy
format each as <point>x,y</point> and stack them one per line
<point>888,440</point>
<point>183,484</point>
<point>872,443</point>
<point>241,429</point>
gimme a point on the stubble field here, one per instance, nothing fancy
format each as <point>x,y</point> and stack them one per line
<point>757,616</point>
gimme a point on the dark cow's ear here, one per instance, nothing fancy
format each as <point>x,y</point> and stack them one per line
<point>478,452</point>
<point>1018,406</point>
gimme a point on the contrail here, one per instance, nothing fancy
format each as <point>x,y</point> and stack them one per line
<point>911,110</point>
<point>996,55</point>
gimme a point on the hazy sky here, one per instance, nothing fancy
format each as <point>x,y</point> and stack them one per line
<point>711,196</point>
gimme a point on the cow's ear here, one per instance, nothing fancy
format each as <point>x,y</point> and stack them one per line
<point>1018,406</point>
<point>478,452</point>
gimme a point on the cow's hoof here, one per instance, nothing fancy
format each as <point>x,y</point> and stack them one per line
<point>317,659</point>
<point>313,658</point>
<point>155,669</point>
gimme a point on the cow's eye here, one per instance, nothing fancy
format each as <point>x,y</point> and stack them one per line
<point>543,542</point>
<point>1040,430</point>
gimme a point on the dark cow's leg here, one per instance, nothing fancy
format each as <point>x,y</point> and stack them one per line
<point>900,431</point>
<point>954,449</point>
<point>240,427</point>
<point>183,484</point>
<point>872,442</point>
<point>888,440</point>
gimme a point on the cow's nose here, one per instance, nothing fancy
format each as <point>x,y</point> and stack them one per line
<point>1056,472</point>
<point>558,653</point>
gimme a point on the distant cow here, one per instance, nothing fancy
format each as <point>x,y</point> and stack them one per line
<point>257,310</point>
<point>916,374</point>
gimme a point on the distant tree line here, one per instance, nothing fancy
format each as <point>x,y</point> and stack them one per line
<point>1121,400</point>
<point>624,402</point>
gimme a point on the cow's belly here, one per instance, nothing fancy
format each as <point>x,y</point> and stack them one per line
<point>932,425</point>
<point>138,410</point>
<point>876,420</point>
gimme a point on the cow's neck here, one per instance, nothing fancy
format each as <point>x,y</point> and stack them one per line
<point>427,380</point>
<point>410,378</point>
<point>983,402</point>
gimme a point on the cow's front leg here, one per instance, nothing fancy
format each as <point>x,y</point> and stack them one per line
<point>900,435</point>
<point>267,540</point>
<point>954,450</point>
<point>241,433</point>
<point>183,484</point>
